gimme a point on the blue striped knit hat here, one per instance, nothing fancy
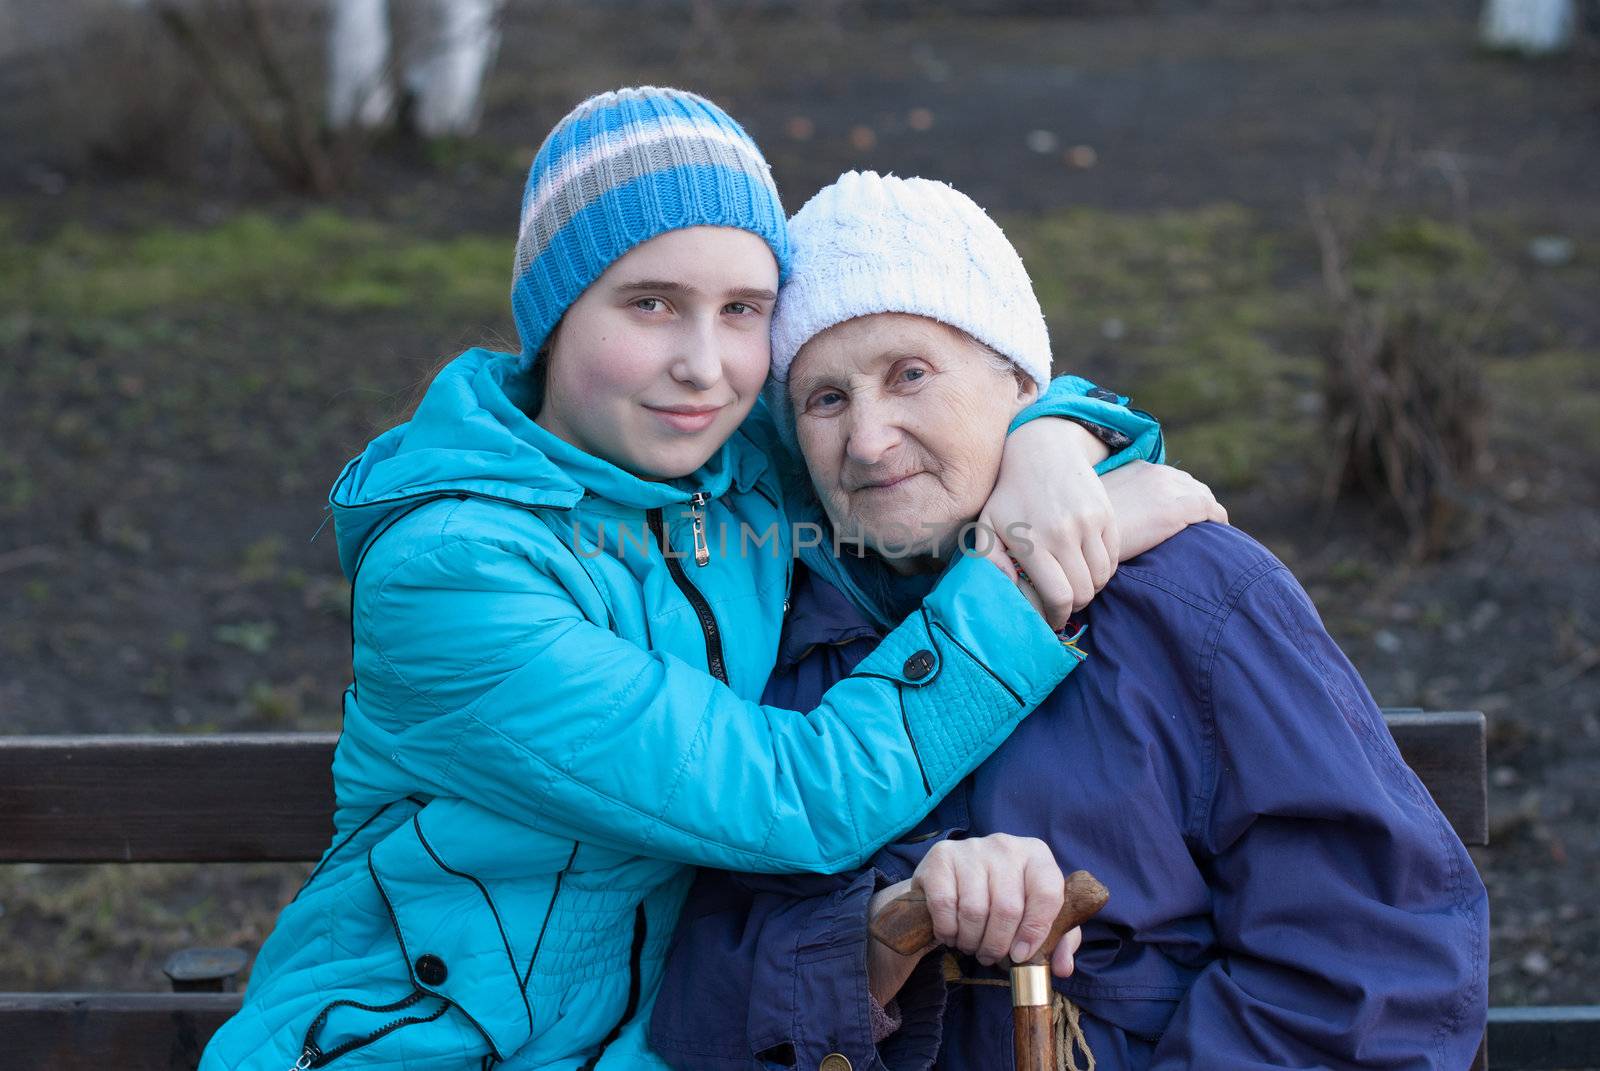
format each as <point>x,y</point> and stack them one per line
<point>621,168</point>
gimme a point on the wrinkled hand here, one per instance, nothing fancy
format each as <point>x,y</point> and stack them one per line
<point>992,897</point>
<point>1153,503</point>
<point>1050,511</point>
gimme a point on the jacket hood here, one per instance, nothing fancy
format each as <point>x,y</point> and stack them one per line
<point>471,436</point>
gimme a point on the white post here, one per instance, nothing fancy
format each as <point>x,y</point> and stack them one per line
<point>448,79</point>
<point>359,89</point>
<point>1532,27</point>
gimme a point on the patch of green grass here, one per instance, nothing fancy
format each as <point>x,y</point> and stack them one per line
<point>1186,307</point>
<point>17,485</point>
<point>111,926</point>
<point>256,637</point>
<point>1235,451</point>
<point>1190,313</point>
<point>1350,571</point>
<point>1093,264</point>
<point>275,704</point>
<point>459,154</point>
<point>1414,253</point>
<point>1550,393</point>
<point>321,260</point>
<point>262,560</point>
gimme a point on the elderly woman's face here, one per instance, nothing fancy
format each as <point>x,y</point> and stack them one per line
<point>902,421</point>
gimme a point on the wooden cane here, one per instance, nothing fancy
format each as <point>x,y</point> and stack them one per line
<point>906,926</point>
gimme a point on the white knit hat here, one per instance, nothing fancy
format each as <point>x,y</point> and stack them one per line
<point>876,243</point>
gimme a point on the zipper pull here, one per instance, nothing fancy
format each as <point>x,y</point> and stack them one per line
<point>702,552</point>
<point>308,1059</point>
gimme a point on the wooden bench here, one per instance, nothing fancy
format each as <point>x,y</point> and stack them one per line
<point>265,798</point>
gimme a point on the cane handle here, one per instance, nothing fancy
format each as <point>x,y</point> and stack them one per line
<point>905,925</point>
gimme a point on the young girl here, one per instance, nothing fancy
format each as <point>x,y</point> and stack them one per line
<point>568,575</point>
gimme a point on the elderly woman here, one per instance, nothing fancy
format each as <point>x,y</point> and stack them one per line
<point>1284,891</point>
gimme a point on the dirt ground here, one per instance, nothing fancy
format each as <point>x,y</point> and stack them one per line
<point>187,361</point>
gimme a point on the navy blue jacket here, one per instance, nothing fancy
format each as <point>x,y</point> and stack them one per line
<point>1284,892</point>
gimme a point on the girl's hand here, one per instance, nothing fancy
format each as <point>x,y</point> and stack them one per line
<point>1051,513</point>
<point>993,897</point>
<point>1153,503</point>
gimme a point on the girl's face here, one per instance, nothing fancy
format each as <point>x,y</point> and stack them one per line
<point>657,363</point>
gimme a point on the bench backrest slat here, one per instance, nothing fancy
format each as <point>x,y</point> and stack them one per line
<point>127,1031</point>
<point>1545,1039</point>
<point>237,798</point>
<point>1446,749</point>
<point>269,797</point>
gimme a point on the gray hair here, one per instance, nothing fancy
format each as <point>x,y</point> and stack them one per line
<point>999,361</point>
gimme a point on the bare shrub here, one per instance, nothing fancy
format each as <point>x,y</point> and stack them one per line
<point>160,86</point>
<point>1405,399</point>
<point>120,96</point>
<point>244,51</point>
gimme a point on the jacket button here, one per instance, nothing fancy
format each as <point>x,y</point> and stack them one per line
<point>834,1061</point>
<point>916,668</point>
<point>431,970</point>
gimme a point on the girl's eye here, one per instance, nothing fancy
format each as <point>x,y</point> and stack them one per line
<point>739,308</point>
<point>649,304</point>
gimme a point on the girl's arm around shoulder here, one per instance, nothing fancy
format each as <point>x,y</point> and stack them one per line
<point>499,688</point>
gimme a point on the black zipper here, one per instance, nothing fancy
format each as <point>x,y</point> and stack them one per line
<point>635,959</point>
<point>313,1056</point>
<point>702,609</point>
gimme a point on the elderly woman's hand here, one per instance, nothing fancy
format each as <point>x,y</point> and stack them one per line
<point>1050,513</point>
<point>992,897</point>
<point>1153,503</point>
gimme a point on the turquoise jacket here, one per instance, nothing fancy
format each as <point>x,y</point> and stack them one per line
<point>557,669</point>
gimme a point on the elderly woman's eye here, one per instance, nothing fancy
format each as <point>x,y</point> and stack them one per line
<point>825,399</point>
<point>911,375</point>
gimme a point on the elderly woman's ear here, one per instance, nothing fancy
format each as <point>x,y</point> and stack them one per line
<point>1027,386</point>
<point>1027,389</point>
